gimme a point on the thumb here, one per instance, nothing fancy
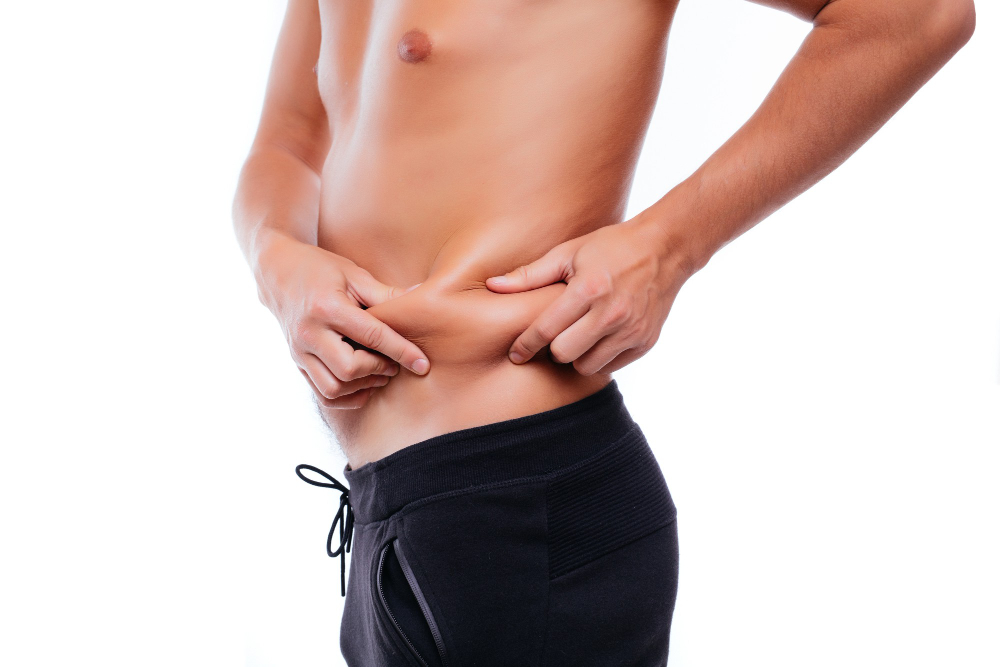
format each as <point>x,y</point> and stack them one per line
<point>552,267</point>
<point>371,292</point>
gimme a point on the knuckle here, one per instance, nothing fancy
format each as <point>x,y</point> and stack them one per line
<point>304,334</point>
<point>317,309</point>
<point>349,370</point>
<point>373,336</point>
<point>646,344</point>
<point>330,390</point>
<point>545,332</point>
<point>595,287</point>
<point>617,313</point>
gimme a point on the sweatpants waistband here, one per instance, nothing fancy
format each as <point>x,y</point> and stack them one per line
<point>492,453</point>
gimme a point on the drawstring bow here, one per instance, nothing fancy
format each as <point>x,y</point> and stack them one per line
<point>343,520</point>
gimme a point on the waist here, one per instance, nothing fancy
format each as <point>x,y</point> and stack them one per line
<point>454,397</point>
<point>498,452</point>
<point>463,328</point>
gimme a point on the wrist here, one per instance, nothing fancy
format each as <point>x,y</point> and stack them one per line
<point>270,248</point>
<point>266,250</point>
<point>677,234</point>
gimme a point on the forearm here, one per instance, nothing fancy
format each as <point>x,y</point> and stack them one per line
<point>856,68</point>
<point>277,198</point>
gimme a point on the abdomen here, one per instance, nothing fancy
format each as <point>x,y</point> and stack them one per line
<point>519,129</point>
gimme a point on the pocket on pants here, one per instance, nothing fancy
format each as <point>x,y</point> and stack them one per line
<point>404,607</point>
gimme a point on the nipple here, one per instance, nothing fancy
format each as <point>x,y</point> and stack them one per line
<point>414,46</point>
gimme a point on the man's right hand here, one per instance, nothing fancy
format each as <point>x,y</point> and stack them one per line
<point>317,297</point>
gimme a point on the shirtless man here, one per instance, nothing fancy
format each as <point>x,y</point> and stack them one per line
<point>433,210</point>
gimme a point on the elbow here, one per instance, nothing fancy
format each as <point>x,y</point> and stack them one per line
<point>948,24</point>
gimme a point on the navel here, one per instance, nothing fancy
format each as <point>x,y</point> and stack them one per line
<point>414,46</point>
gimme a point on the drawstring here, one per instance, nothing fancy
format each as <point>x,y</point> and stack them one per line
<point>345,500</point>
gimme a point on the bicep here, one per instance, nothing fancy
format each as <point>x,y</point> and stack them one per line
<point>293,115</point>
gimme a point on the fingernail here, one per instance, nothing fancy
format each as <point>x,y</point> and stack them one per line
<point>421,366</point>
<point>393,370</point>
<point>382,381</point>
<point>499,280</point>
<point>413,287</point>
<point>516,358</point>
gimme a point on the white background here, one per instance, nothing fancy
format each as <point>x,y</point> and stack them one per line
<point>824,399</point>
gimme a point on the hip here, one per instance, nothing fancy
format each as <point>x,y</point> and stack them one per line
<point>549,539</point>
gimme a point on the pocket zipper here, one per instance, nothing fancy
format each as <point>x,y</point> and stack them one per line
<point>424,607</point>
<point>420,601</point>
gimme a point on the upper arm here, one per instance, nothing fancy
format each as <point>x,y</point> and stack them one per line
<point>804,9</point>
<point>949,21</point>
<point>293,115</point>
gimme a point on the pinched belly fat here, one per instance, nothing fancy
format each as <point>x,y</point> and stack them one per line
<point>465,330</point>
<point>464,325</point>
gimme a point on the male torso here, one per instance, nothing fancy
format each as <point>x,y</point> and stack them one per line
<point>497,130</point>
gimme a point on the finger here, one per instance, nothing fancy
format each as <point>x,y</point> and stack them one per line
<point>369,291</point>
<point>357,399</point>
<point>560,314</point>
<point>347,363</point>
<point>353,401</point>
<point>604,319</point>
<point>623,359</point>
<point>579,337</point>
<point>319,376</point>
<point>334,395</point>
<point>364,328</point>
<point>552,267</point>
<point>599,357</point>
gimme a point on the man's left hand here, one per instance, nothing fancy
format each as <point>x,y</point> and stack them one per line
<point>621,279</point>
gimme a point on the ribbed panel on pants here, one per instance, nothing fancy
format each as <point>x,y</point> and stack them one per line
<point>605,503</point>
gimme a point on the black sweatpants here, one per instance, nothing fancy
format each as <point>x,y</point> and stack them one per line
<point>544,540</point>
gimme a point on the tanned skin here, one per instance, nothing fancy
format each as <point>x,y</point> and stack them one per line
<point>433,206</point>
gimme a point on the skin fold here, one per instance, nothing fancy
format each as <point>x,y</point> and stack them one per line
<point>438,145</point>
